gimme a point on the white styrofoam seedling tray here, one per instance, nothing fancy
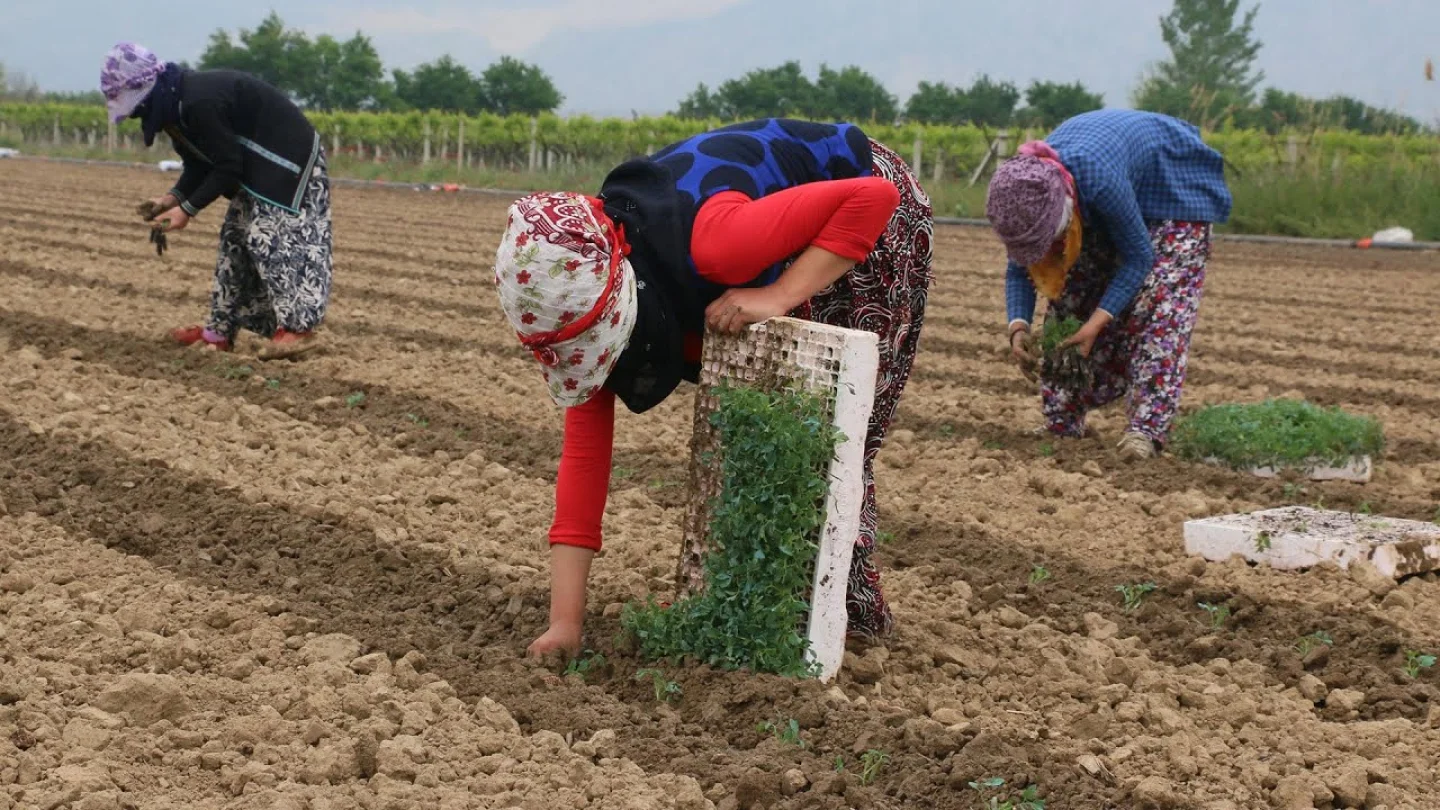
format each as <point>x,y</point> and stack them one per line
<point>1358,470</point>
<point>821,358</point>
<point>1294,537</point>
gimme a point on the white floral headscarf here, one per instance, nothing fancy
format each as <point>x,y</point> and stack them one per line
<point>567,289</point>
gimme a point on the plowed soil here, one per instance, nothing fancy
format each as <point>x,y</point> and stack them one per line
<point>309,585</point>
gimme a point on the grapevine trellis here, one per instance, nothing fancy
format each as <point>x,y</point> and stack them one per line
<point>549,142</point>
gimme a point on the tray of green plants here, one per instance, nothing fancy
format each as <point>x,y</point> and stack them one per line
<point>764,530</point>
<point>1265,438</point>
<point>1065,366</point>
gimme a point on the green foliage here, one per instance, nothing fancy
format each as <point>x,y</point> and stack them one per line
<point>786,731</point>
<point>763,537</point>
<point>273,383</point>
<point>1219,614</point>
<point>1048,104</point>
<point>590,661</point>
<point>1313,640</point>
<point>1276,433</point>
<point>666,690</point>
<point>444,85</point>
<point>992,789</point>
<point>847,94</point>
<point>1263,541</point>
<point>986,103</point>
<point>1056,331</point>
<point>1134,594</point>
<point>1210,73</point>
<point>871,763</point>
<point>1416,661</point>
<point>235,372</point>
<point>513,87</point>
<point>1039,574</point>
<point>355,400</point>
<point>418,421</point>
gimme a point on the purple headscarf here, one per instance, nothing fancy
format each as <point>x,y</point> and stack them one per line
<point>1027,202</point>
<point>128,77</point>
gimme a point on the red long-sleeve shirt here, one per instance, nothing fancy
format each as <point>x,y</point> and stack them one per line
<point>734,239</point>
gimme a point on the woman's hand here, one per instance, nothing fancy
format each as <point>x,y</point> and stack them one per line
<point>1022,351</point>
<point>561,638</point>
<point>150,208</point>
<point>740,307</point>
<point>1084,340</point>
<point>175,219</point>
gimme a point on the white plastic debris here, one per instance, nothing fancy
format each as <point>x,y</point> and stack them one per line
<point>1396,235</point>
<point>171,166</point>
<point>6,152</point>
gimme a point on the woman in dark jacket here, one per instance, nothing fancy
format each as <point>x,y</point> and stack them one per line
<point>244,140</point>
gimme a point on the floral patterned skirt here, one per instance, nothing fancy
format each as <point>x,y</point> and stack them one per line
<point>1142,355</point>
<point>274,266</point>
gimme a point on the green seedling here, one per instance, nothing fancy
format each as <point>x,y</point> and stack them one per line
<point>666,690</point>
<point>991,793</point>
<point>1066,366</point>
<point>786,731</point>
<point>1364,509</point>
<point>418,420</point>
<point>1313,640</point>
<point>581,667</point>
<point>872,762</point>
<point>230,372</point>
<point>1047,449</point>
<point>839,764</point>
<point>273,383</point>
<point>1134,594</point>
<point>1416,661</point>
<point>764,531</point>
<point>884,538</point>
<point>660,483</point>
<point>1039,574</point>
<point>947,430</point>
<point>1263,541</point>
<point>993,445</point>
<point>621,473</point>
<point>1277,433</point>
<point>1219,614</point>
<point>355,400</point>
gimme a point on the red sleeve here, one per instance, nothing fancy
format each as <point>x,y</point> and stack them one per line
<point>736,238</point>
<point>584,478</point>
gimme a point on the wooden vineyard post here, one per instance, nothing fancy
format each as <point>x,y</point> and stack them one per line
<point>460,146</point>
<point>831,361</point>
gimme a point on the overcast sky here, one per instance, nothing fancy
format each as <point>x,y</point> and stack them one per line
<point>611,56</point>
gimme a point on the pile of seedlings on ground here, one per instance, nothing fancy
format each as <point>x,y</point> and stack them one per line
<point>764,527</point>
<point>1060,365</point>
<point>1279,433</point>
<point>148,210</point>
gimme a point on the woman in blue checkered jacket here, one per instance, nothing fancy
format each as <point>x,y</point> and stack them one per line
<point>1110,218</point>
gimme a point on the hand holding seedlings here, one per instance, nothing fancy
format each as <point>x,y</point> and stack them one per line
<point>1084,339</point>
<point>1061,358</point>
<point>148,211</point>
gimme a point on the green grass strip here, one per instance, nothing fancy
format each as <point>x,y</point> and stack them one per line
<point>764,532</point>
<point>1276,433</point>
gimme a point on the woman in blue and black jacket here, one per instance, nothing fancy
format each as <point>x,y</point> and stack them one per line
<point>244,140</point>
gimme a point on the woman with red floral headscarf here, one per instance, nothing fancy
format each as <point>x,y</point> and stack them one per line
<point>612,295</point>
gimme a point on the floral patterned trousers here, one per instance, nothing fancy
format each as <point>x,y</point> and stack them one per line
<point>1142,355</point>
<point>274,266</point>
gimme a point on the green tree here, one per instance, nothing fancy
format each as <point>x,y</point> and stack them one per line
<point>343,75</point>
<point>701,103</point>
<point>1210,74</point>
<point>1048,104</point>
<point>280,56</point>
<point>990,103</point>
<point>441,85</point>
<point>851,94</point>
<point>776,91</point>
<point>936,103</point>
<point>511,86</point>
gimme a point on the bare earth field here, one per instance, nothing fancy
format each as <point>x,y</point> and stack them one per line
<point>229,583</point>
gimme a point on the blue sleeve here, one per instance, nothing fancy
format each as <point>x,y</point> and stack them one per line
<point>1019,294</point>
<point>1114,204</point>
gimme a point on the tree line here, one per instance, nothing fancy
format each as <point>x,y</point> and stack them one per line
<point>1209,79</point>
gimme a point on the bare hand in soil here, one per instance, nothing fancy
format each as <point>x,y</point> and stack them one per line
<point>1022,351</point>
<point>557,639</point>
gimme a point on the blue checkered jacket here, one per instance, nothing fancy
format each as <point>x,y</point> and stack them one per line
<point>1131,169</point>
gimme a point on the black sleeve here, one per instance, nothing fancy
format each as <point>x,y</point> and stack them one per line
<point>196,170</point>
<point>209,123</point>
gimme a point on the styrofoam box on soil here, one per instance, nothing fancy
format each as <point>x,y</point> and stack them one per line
<point>1300,537</point>
<point>823,359</point>
<point>1358,470</point>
